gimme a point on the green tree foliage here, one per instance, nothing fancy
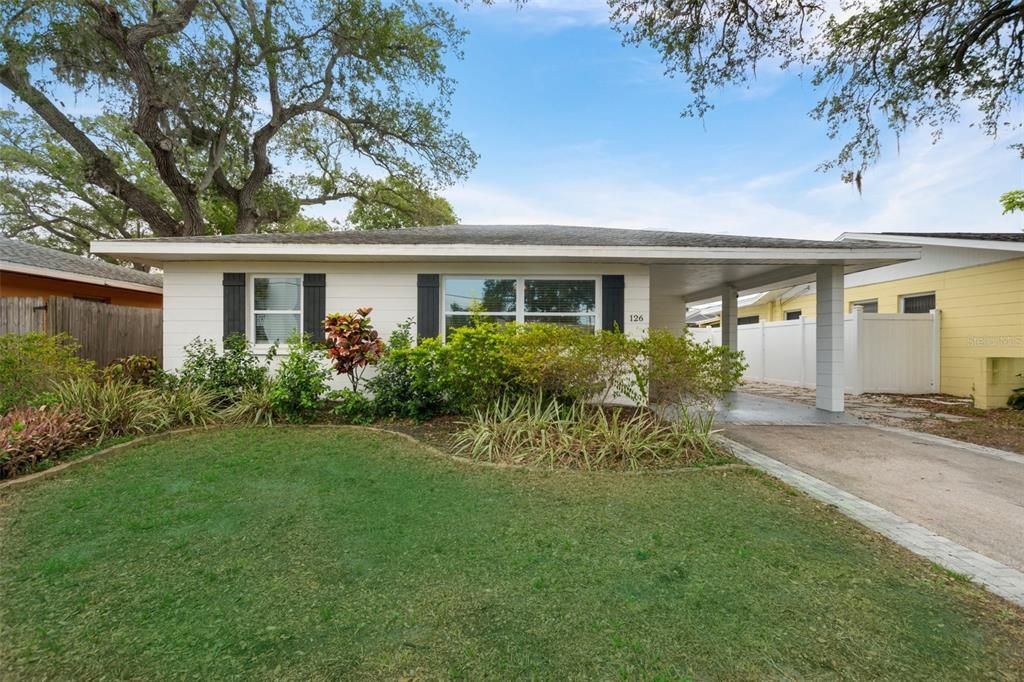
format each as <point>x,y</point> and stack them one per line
<point>396,202</point>
<point>1012,201</point>
<point>219,115</point>
<point>879,64</point>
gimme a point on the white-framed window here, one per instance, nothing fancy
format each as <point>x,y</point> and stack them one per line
<point>917,303</point>
<point>275,308</point>
<point>570,300</point>
<point>869,305</point>
<point>748,319</point>
<point>793,314</point>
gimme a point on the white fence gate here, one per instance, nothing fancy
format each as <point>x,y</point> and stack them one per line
<point>884,353</point>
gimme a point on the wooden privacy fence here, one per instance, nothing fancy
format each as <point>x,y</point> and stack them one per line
<point>105,332</point>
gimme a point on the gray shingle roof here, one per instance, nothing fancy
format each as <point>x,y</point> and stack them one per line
<point>22,253</point>
<point>981,236</point>
<point>531,235</point>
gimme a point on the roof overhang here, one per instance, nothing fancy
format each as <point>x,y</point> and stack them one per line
<point>159,252</point>
<point>923,240</point>
<point>691,272</point>
<point>7,266</point>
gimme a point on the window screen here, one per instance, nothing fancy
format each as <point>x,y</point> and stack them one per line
<point>793,314</point>
<point>866,306</point>
<point>276,307</point>
<point>749,319</point>
<point>919,303</point>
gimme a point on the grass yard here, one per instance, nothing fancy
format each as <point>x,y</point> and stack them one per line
<point>296,553</point>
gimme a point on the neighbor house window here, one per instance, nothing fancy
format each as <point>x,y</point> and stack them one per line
<point>276,308</point>
<point>793,314</point>
<point>570,302</point>
<point>867,306</point>
<point>749,319</point>
<point>918,303</point>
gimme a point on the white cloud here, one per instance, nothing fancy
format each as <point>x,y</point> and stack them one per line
<point>954,185</point>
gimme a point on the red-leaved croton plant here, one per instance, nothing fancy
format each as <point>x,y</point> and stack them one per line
<point>352,343</point>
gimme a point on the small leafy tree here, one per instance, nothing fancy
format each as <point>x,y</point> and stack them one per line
<point>300,381</point>
<point>352,343</point>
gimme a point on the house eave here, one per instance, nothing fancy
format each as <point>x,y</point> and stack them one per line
<point>896,239</point>
<point>160,252</point>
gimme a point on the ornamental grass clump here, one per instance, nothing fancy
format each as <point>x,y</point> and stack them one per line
<point>532,431</point>
<point>114,408</point>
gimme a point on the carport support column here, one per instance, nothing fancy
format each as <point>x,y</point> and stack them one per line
<point>829,338</point>
<point>730,328</point>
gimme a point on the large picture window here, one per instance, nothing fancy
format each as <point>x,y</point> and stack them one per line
<point>276,308</point>
<point>571,302</point>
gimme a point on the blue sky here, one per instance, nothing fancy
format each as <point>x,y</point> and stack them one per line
<point>573,127</point>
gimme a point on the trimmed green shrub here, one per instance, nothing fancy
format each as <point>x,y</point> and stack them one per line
<point>485,362</point>
<point>30,364</point>
<point>567,363</point>
<point>352,407</point>
<point>225,374</point>
<point>678,370</point>
<point>408,383</point>
<point>532,431</point>
<point>31,436</point>
<point>300,381</point>
<point>115,408</point>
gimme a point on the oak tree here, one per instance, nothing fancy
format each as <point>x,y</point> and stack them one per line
<point>222,115</point>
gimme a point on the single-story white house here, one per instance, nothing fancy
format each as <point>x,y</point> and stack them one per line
<point>268,285</point>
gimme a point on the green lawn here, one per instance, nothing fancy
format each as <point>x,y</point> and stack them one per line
<point>324,554</point>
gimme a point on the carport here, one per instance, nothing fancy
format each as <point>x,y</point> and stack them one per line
<point>757,264</point>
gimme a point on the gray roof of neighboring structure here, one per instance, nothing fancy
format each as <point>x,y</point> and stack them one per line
<point>18,252</point>
<point>981,236</point>
<point>532,235</point>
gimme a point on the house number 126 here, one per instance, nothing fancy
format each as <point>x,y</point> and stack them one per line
<point>636,317</point>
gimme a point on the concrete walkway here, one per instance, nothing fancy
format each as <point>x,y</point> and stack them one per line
<point>960,505</point>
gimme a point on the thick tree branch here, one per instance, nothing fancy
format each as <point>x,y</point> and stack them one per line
<point>100,169</point>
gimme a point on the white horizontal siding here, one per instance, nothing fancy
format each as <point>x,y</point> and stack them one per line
<point>193,291</point>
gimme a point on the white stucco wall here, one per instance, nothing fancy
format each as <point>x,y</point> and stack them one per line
<point>193,291</point>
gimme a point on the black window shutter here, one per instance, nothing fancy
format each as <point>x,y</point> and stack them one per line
<point>613,303</point>
<point>234,303</point>
<point>428,306</point>
<point>314,305</point>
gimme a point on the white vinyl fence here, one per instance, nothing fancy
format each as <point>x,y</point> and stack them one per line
<point>884,353</point>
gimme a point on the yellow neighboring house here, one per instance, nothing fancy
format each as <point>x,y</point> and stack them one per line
<point>974,280</point>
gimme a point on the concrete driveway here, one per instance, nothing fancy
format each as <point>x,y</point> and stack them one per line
<point>969,494</point>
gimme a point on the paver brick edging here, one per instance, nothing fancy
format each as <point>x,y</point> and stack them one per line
<point>996,577</point>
